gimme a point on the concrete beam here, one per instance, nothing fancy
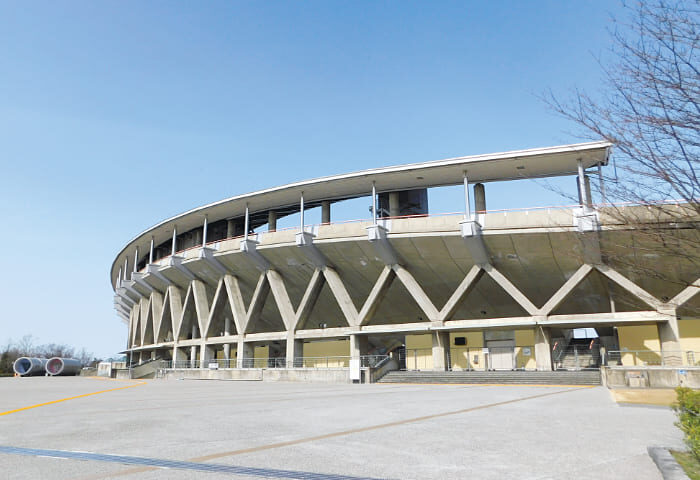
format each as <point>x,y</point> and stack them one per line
<point>342,297</point>
<point>461,292</point>
<point>686,294</point>
<point>308,301</point>
<point>305,240</point>
<point>376,295</point>
<point>207,254</point>
<point>138,278</point>
<point>630,286</point>
<point>235,298</point>
<point>257,302</point>
<point>154,270</point>
<point>177,262</point>
<point>471,234</point>
<point>565,289</point>
<point>284,304</point>
<point>418,294</point>
<point>249,247</point>
<point>377,236</point>
<point>511,290</point>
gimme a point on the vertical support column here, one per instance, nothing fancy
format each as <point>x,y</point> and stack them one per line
<point>301,213</point>
<point>244,355</point>
<point>173,248</point>
<point>479,198</point>
<point>150,252</point>
<point>246,223</point>
<point>583,194</point>
<point>295,350</point>
<point>227,346</point>
<point>204,232</point>
<point>136,259</point>
<point>374,204</point>
<point>669,338</point>
<point>179,356</point>
<point>394,208</point>
<point>325,212</point>
<point>543,349</point>
<point>467,206</point>
<point>271,221</point>
<point>441,345</point>
<point>206,354</point>
<point>358,348</point>
<point>193,356</point>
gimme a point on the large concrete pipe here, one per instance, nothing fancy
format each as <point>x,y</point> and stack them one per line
<point>26,366</point>
<point>63,366</point>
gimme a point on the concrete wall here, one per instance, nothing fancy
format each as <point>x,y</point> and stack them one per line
<point>462,356</point>
<point>650,377</point>
<point>419,352</point>
<point>639,337</point>
<point>525,349</point>
<point>316,353</point>
<point>690,340</point>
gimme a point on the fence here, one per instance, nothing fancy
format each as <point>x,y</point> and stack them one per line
<point>640,358</point>
<point>278,362</point>
<point>520,357</point>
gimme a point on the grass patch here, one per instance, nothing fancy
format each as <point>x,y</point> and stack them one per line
<point>689,462</point>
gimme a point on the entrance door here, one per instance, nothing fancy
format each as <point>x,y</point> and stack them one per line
<point>501,354</point>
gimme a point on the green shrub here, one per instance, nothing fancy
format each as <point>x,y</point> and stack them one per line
<point>688,411</point>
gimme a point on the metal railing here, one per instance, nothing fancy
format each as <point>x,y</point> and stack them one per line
<point>577,357</point>
<point>642,358</point>
<point>331,361</point>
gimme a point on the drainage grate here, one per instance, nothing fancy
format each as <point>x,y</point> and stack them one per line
<point>163,463</point>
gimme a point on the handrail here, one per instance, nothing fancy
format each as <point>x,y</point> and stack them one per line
<point>312,226</point>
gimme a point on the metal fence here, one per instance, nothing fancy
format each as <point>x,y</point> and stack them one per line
<point>640,358</point>
<point>576,357</point>
<point>336,361</point>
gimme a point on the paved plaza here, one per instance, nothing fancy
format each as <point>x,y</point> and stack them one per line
<point>183,429</point>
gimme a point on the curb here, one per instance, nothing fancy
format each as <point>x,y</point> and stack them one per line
<point>668,466</point>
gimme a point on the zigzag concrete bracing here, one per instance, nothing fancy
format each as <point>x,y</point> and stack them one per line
<point>536,271</point>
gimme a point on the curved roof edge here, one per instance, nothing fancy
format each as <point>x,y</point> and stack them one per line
<point>512,165</point>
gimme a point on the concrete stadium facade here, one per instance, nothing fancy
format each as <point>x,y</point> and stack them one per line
<point>477,290</point>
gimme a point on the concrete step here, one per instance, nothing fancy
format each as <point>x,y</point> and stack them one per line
<point>539,378</point>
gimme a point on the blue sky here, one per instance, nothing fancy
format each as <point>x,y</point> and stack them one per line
<point>116,115</point>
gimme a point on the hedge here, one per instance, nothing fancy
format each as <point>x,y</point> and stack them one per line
<point>688,410</point>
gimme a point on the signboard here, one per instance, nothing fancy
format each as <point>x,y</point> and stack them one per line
<point>213,366</point>
<point>526,351</point>
<point>485,350</point>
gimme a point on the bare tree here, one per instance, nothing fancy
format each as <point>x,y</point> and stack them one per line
<point>650,110</point>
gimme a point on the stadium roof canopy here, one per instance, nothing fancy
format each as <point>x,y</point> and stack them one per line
<point>519,164</point>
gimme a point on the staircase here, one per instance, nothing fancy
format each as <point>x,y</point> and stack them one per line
<point>590,377</point>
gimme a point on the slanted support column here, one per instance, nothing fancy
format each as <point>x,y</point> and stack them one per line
<point>271,221</point>
<point>441,345</point>
<point>479,198</point>
<point>295,350</point>
<point>394,207</point>
<point>670,339</point>
<point>326,211</point>
<point>543,348</point>
<point>244,355</point>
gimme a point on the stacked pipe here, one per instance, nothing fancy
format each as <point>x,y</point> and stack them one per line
<point>63,366</point>
<point>27,366</point>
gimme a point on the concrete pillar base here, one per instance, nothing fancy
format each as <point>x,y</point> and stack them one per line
<point>295,352</point>
<point>244,355</point>
<point>671,353</point>
<point>441,346</point>
<point>543,349</point>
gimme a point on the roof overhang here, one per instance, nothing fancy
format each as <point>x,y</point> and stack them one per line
<point>514,165</point>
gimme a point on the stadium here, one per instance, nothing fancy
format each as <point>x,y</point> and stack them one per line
<point>528,289</point>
